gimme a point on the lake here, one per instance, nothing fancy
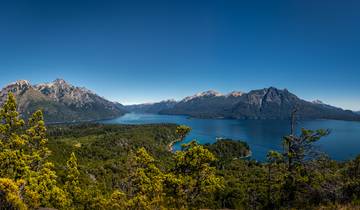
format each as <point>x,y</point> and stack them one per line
<point>261,135</point>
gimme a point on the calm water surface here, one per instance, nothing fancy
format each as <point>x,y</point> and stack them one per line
<point>262,135</point>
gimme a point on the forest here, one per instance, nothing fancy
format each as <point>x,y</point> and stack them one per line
<point>95,166</point>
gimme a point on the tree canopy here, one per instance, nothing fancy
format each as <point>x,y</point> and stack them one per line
<point>92,166</point>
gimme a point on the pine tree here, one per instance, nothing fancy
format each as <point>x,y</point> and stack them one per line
<point>117,201</point>
<point>23,159</point>
<point>41,188</point>
<point>192,177</point>
<point>10,197</point>
<point>274,178</point>
<point>146,182</point>
<point>182,131</point>
<point>72,180</point>
<point>13,160</point>
<point>37,140</point>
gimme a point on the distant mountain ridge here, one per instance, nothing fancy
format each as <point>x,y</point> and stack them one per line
<point>267,103</point>
<point>61,101</point>
<point>151,107</point>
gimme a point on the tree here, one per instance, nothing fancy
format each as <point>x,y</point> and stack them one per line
<point>146,182</point>
<point>41,187</point>
<point>10,197</point>
<point>299,149</point>
<point>42,190</point>
<point>37,141</point>
<point>274,178</point>
<point>23,159</point>
<point>351,176</point>
<point>72,180</point>
<point>298,153</point>
<point>192,176</point>
<point>13,160</point>
<point>117,201</point>
<point>182,131</point>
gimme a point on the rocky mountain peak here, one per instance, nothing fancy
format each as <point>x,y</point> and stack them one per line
<point>16,87</point>
<point>266,103</point>
<point>22,83</point>
<point>168,101</point>
<point>56,83</point>
<point>60,101</point>
<point>317,101</point>
<point>277,91</point>
<point>272,90</point>
<point>209,93</point>
<point>67,93</point>
<point>279,96</point>
<point>235,94</point>
<point>60,81</point>
<point>272,94</point>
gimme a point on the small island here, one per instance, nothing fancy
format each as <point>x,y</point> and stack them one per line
<point>227,149</point>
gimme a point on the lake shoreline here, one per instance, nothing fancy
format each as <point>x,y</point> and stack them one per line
<point>261,135</point>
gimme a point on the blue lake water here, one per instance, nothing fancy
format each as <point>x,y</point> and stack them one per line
<point>261,135</point>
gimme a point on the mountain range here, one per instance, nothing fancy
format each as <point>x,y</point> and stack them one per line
<point>267,103</point>
<point>152,107</point>
<point>61,101</point>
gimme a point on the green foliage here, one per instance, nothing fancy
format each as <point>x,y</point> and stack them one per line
<point>117,201</point>
<point>192,177</point>
<point>103,151</point>
<point>298,151</point>
<point>95,166</point>
<point>23,159</point>
<point>300,148</point>
<point>182,131</point>
<point>145,182</point>
<point>10,197</point>
<point>352,180</point>
<point>228,149</point>
<point>37,141</point>
<point>72,186</point>
<point>13,160</point>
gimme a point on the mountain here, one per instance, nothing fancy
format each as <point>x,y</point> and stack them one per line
<point>151,107</point>
<point>209,104</point>
<point>61,101</point>
<point>267,103</point>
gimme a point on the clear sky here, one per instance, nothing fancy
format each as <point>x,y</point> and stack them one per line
<point>142,51</point>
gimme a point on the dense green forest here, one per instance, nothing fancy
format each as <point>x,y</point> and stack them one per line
<point>94,166</point>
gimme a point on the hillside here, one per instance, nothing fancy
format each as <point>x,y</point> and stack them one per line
<point>104,154</point>
<point>267,103</point>
<point>103,150</point>
<point>61,102</point>
<point>151,107</point>
<point>95,166</point>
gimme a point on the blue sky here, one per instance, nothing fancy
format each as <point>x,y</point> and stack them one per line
<point>143,51</point>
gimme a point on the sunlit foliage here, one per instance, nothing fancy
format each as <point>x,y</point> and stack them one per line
<point>94,166</point>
